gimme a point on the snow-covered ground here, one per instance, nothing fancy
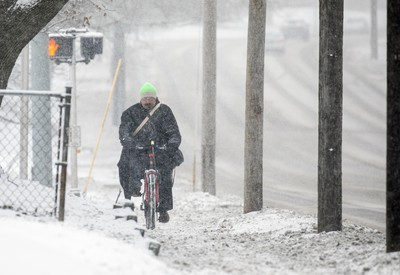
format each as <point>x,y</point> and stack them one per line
<point>206,235</point>
<point>41,247</point>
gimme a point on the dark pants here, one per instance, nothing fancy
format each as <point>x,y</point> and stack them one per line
<point>131,170</point>
<point>166,198</point>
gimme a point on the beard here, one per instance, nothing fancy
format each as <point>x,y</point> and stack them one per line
<point>148,106</point>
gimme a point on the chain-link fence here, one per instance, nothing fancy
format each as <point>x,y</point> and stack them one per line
<point>30,124</point>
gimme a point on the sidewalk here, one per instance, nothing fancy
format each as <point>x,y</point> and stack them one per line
<point>209,235</point>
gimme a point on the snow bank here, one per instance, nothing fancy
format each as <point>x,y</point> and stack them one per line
<point>29,247</point>
<point>26,196</point>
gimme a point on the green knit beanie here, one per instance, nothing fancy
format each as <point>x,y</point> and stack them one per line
<point>148,90</point>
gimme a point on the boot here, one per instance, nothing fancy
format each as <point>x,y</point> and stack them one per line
<point>164,217</point>
<point>136,192</point>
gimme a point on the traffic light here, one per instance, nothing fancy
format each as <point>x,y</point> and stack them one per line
<point>91,44</point>
<point>60,46</point>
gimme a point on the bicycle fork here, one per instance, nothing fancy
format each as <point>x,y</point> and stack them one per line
<point>151,189</point>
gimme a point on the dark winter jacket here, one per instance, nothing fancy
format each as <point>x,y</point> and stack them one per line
<point>161,127</point>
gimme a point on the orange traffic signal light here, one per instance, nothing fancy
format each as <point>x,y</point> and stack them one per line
<point>60,46</point>
<point>53,47</point>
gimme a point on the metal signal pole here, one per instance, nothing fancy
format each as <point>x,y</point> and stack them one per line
<point>24,117</point>
<point>73,130</point>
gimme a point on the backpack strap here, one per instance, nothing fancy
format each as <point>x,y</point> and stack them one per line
<point>146,119</point>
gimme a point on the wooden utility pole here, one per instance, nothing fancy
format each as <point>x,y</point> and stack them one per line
<point>209,96</point>
<point>253,149</point>
<point>374,29</point>
<point>393,128</point>
<point>330,116</point>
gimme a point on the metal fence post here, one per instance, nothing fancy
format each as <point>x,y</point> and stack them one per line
<point>64,161</point>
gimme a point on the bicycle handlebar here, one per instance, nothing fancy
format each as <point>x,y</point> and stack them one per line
<point>156,146</point>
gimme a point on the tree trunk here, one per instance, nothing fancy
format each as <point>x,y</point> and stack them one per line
<point>209,96</point>
<point>330,116</point>
<point>253,150</point>
<point>18,26</point>
<point>393,128</point>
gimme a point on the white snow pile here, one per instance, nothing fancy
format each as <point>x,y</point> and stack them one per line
<point>90,241</point>
<point>48,248</point>
<point>206,235</point>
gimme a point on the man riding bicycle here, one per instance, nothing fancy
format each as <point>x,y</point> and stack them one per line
<point>161,127</point>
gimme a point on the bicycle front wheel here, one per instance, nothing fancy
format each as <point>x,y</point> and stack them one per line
<point>150,213</point>
<point>150,205</point>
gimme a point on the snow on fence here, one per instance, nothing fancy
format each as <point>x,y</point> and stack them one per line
<point>29,142</point>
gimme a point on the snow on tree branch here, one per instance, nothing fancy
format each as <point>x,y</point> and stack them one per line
<point>24,4</point>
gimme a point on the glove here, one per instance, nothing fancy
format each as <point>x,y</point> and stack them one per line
<point>163,159</point>
<point>128,142</point>
<point>170,149</point>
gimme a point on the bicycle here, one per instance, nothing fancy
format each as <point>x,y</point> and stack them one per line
<point>150,196</point>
